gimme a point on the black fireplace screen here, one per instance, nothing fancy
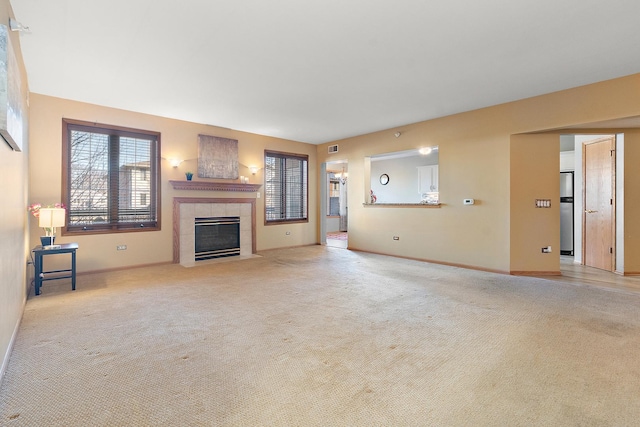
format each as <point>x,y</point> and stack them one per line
<point>217,237</point>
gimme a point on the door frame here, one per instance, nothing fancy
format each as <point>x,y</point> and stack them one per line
<point>324,189</point>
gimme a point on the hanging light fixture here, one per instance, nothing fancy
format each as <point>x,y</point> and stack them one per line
<point>342,176</point>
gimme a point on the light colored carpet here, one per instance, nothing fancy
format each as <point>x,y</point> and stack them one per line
<point>318,336</point>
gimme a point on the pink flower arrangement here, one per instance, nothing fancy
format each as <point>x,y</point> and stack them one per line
<point>35,208</point>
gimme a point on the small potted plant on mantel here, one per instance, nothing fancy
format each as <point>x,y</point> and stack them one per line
<point>189,175</point>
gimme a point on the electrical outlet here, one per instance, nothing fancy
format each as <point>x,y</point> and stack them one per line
<point>258,195</point>
<point>546,250</point>
<point>121,247</point>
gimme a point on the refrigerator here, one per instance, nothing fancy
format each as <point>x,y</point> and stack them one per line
<point>566,213</point>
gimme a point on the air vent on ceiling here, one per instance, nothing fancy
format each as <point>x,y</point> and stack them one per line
<point>333,149</point>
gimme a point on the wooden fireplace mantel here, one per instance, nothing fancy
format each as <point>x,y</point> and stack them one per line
<point>214,186</point>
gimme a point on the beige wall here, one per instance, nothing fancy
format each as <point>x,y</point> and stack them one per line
<point>475,162</point>
<point>14,273</point>
<point>534,228</point>
<point>476,168</point>
<point>179,139</point>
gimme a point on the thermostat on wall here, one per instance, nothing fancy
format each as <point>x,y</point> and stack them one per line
<point>468,201</point>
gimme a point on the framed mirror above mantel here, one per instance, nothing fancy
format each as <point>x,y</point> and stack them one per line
<point>214,186</point>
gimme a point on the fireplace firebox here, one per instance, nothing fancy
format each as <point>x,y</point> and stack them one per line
<point>217,237</point>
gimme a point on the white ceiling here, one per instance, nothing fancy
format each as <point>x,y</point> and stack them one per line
<point>321,70</point>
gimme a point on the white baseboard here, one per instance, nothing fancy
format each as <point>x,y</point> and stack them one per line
<point>7,355</point>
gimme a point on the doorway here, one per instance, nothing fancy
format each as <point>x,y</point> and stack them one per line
<point>336,215</point>
<point>598,216</point>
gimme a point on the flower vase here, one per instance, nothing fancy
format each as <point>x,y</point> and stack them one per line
<point>47,240</point>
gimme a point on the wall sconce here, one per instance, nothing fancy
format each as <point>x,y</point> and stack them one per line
<point>175,162</point>
<point>253,170</point>
<point>397,134</point>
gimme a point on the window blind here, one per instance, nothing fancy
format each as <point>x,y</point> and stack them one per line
<point>286,187</point>
<point>112,178</point>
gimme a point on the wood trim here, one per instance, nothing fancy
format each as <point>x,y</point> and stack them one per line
<point>284,154</point>
<point>121,130</point>
<point>285,221</point>
<point>402,205</point>
<point>288,247</point>
<point>627,273</point>
<point>536,273</point>
<point>214,186</point>
<point>177,201</point>
<point>128,267</point>
<point>430,261</point>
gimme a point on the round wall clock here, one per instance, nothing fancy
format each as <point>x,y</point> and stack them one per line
<point>384,179</point>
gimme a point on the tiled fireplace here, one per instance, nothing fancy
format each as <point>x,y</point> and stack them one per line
<point>186,210</point>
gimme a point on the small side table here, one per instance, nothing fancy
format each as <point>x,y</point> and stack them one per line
<point>40,276</point>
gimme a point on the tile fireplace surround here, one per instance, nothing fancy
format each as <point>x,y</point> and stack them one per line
<point>185,210</point>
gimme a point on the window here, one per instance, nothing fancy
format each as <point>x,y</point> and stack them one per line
<point>110,178</point>
<point>286,187</point>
